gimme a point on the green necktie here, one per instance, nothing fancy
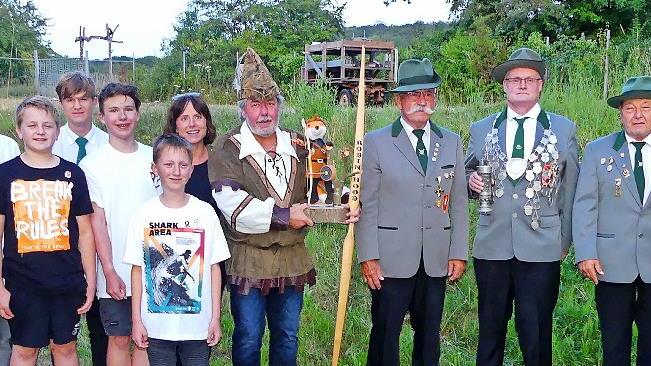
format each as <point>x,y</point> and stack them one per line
<point>639,169</point>
<point>518,143</point>
<point>81,142</point>
<point>421,151</point>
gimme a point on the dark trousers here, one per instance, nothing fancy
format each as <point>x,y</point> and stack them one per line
<point>191,353</point>
<point>533,287</point>
<point>618,306</point>
<point>97,337</point>
<point>423,296</point>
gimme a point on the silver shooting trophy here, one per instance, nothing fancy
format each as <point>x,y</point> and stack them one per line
<point>486,194</point>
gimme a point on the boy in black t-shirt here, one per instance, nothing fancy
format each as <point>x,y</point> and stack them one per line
<point>48,262</point>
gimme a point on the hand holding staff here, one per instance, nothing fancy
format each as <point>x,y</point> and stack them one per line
<point>349,242</point>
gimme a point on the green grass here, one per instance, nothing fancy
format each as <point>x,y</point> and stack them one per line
<point>576,330</point>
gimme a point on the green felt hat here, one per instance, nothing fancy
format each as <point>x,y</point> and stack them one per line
<point>522,57</point>
<point>638,87</point>
<point>416,75</point>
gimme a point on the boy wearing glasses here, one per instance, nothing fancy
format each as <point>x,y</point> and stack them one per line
<point>119,181</point>
<point>533,155</point>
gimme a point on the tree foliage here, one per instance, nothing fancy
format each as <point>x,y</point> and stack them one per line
<point>516,18</point>
<point>22,30</point>
<point>213,31</point>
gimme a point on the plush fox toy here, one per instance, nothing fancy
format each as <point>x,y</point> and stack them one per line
<point>318,168</point>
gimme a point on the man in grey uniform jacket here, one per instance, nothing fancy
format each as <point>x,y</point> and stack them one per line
<point>413,232</point>
<point>519,245</point>
<point>612,225</point>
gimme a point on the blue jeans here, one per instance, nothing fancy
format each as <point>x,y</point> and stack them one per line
<point>283,311</point>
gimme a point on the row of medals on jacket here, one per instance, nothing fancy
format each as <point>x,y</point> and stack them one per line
<point>541,171</point>
<point>625,172</point>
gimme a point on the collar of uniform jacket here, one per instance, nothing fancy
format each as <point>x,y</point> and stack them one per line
<point>397,127</point>
<point>543,119</point>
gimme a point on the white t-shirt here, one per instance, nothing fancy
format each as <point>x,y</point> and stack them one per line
<point>66,147</point>
<point>175,248</point>
<point>8,149</point>
<point>119,183</point>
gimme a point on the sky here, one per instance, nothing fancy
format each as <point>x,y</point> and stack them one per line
<point>144,24</point>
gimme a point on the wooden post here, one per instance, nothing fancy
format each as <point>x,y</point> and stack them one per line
<point>133,68</point>
<point>109,37</point>
<point>37,71</point>
<point>86,65</point>
<point>353,202</point>
<point>110,54</point>
<point>81,39</point>
<point>606,62</point>
<point>11,54</point>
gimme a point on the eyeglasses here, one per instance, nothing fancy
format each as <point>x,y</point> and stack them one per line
<point>518,81</point>
<point>183,95</point>
<point>429,93</point>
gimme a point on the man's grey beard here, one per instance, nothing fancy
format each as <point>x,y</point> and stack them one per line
<point>262,132</point>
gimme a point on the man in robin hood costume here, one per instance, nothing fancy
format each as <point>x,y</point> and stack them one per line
<point>257,173</point>
<point>518,247</point>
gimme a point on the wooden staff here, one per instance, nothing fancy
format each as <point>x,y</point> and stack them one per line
<point>349,242</point>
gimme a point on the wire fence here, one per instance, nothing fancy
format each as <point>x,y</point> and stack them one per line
<point>20,77</point>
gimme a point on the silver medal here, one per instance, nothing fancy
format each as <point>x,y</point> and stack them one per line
<point>553,139</point>
<point>609,168</point>
<point>602,161</point>
<point>537,186</point>
<point>535,225</point>
<point>544,157</point>
<point>529,193</point>
<point>528,210</point>
<point>499,192</point>
<point>537,167</point>
<point>501,175</point>
<point>530,175</point>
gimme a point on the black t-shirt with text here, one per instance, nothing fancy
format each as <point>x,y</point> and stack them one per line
<point>41,234</point>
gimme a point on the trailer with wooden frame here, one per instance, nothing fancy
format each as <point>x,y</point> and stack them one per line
<point>338,63</point>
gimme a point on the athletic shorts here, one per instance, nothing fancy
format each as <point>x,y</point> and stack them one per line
<point>116,316</point>
<point>39,318</point>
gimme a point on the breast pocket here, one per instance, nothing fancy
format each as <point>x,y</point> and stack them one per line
<point>484,220</point>
<point>550,221</point>
<point>605,235</point>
